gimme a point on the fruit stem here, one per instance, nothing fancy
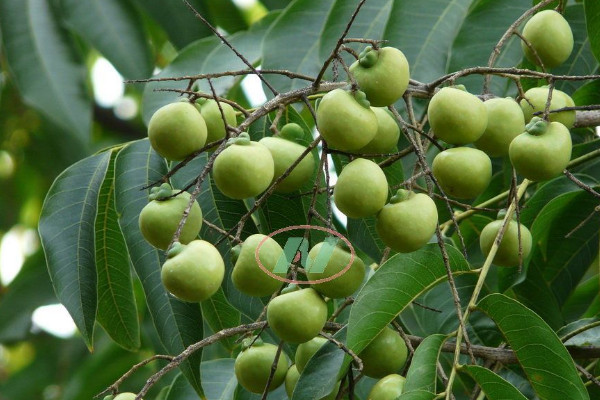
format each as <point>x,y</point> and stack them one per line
<point>160,193</point>
<point>175,249</point>
<point>246,343</point>
<point>235,253</point>
<point>368,57</point>
<point>242,139</point>
<point>536,126</point>
<point>401,195</point>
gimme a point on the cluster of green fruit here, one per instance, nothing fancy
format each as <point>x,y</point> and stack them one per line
<point>381,359</point>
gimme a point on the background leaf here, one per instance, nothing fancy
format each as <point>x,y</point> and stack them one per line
<point>494,386</point>
<point>592,19</point>
<point>422,373</point>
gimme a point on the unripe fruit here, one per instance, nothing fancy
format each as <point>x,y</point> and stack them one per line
<point>125,396</point>
<point>462,172</point>
<point>345,120</point>
<point>505,122</point>
<point>306,350</point>
<point>297,316</point>
<point>194,272</point>
<point>345,284</point>
<point>285,152</point>
<point>159,219</point>
<point>291,379</point>
<point>383,75</point>
<point>244,169</point>
<point>551,37</point>
<point>215,128</point>
<point>177,130</point>
<point>508,251</point>
<point>536,98</point>
<point>387,135</point>
<point>253,367</point>
<point>385,355</point>
<point>407,222</point>
<point>388,388</point>
<point>247,276</point>
<point>361,189</point>
<point>542,152</point>
<point>456,116</point>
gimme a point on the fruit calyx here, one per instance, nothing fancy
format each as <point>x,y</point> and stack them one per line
<point>175,249</point>
<point>459,87</point>
<point>161,193</point>
<point>401,195</point>
<point>242,139</point>
<point>536,126</point>
<point>235,253</point>
<point>368,57</point>
<point>290,288</point>
<point>502,215</point>
<point>292,132</point>
<point>361,98</point>
<point>251,342</point>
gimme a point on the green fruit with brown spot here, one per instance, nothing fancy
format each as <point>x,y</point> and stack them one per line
<point>385,355</point>
<point>505,122</point>
<point>508,251</point>
<point>252,367</point>
<point>388,388</point>
<point>361,189</point>
<point>462,172</point>
<point>535,101</point>
<point>550,35</point>
<point>386,138</point>
<point>345,284</point>
<point>215,127</point>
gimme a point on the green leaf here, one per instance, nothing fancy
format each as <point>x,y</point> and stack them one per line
<point>363,234</point>
<point>226,15</point>
<point>178,324</point>
<point>117,312</point>
<point>494,386</point>
<point>588,337</point>
<point>115,29</point>
<point>67,233</point>
<point>592,22</point>
<point>292,42</point>
<point>220,314</point>
<point>422,374</point>
<point>396,283</point>
<point>543,357</point>
<point>45,67</point>
<point>587,94</point>
<point>425,31</point>
<point>417,395</point>
<point>218,379</point>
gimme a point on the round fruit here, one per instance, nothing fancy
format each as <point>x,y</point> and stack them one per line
<point>297,316</point>
<point>253,367</point>
<point>387,135</point>
<point>385,355</point>
<point>508,251</point>
<point>382,74</point>
<point>551,37</point>
<point>536,98</point>
<point>291,379</point>
<point>542,152</point>
<point>247,276</point>
<point>408,221</point>
<point>456,116</point>
<point>388,388</point>
<point>462,172</point>
<point>345,284</point>
<point>361,189</point>
<point>125,396</point>
<point>244,169</point>
<point>505,122</point>
<point>160,218</point>
<point>215,127</point>
<point>306,350</point>
<point>345,120</point>
<point>194,272</point>
<point>177,130</point>
<point>285,152</point>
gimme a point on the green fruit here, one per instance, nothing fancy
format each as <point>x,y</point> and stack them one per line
<point>253,366</point>
<point>508,251</point>
<point>387,135</point>
<point>407,222</point>
<point>542,152</point>
<point>244,169</point>
<point>536,98</point>
<point>298,316</point>
<point>345,120</point>
<point>382,74</point>
<point>385,355</point>
<point>388,388</point>
<point>456,116</point>
<point>462,172</point>
<point>550,35</point>
<point>247,276</point>
<point>125,396</point>
<point>177,130</point>
<point>505,122</point>
<point>345,284</point>
<point>159,220</point>
<point>194,272</point>
<point>361,189</point>
<point>291,379</point>
<point>215,127</point>
<point>306,350</point>
<point>285,152</point>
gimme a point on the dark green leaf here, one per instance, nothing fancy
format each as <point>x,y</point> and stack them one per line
<point>545,360</point>
<point>220,314</point>
<point>589,337</point>
<point>45,68</point>
<point>67,233</point>
<point>218,379</point>
<point>422,374</point>
<point>114,28</point>
<point>494,386</point>
<point>587,94</point>
<point>178,324</point>
<point>592,20</point>
<point>226,15</point>
<point>117,312</point>
<point>363,234</point>
<point>417,395</point>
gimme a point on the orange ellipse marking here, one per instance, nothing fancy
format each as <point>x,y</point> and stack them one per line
<point>298,227</point>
